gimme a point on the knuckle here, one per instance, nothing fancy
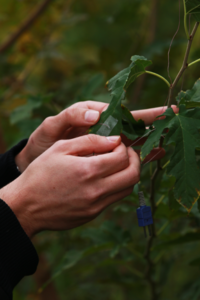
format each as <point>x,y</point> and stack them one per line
<point>88,103</point>
<point>47,123</point>
<point>93,211</point>
<point>92,138</point>
<point>93,195</point>
<point>89,170</point>
<point>84,172</point>
<point>59,144</point>
<point>136,175</point>
<point>124,159</point>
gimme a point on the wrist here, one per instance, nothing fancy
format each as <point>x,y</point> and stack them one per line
<point>18,200</point>
<point>22,160</point>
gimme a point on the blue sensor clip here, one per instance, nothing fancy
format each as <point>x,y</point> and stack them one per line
<point>144,215</point>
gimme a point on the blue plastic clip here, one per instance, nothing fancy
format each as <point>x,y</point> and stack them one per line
<point>144,214</point>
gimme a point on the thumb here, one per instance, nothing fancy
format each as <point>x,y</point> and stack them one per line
<point>75,117</point>
<point>89,144</point>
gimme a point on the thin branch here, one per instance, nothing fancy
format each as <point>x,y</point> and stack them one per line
<point>185,63</point>
<point>147,256</point>
<point>159,76</point>
<point>168,55</point>
<point>25,26</point>
<point>185,20</point>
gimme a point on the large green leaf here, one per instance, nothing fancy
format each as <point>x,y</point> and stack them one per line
<point>131,128</point>
<point>110,122</point>
<point>190,98</point>
<point>193,8</point>
<point>183,132</point>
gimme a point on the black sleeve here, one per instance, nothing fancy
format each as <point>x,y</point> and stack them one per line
<point>8,168</point>
<point>18,256</point>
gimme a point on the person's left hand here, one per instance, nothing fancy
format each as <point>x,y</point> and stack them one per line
<point>74,122</point>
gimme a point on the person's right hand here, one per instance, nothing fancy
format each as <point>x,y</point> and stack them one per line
<point>64,188</point>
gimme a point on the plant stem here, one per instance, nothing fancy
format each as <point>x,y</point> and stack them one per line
<point>184,65</point>
<point>159,76</point>
<point>185,20</point>
<point>194,62</point>
<point>25,25</point>
<point>147,256</point>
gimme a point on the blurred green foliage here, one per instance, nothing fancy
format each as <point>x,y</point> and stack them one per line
<point>65,57</point>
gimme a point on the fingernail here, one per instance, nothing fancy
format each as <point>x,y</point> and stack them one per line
<point>91,115</point>
<point>113,138</point>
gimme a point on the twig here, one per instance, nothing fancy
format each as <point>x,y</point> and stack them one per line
<point>25,26</point>
<point>185,64</point>
<point>179,23</point>
<point>147,256</point>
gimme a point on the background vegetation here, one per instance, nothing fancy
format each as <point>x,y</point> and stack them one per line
<point>66,54</point>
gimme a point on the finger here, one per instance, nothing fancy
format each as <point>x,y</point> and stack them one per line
<point>96,105</point>
<point>126,178</point>
<point>149,115</point>
<point>88,144</point>
<point>156,154</point>
<point>82,114</point>
<point>110,163</point>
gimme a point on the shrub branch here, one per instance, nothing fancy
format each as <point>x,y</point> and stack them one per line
<point>184,65</point>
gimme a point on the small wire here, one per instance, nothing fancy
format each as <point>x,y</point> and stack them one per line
<point>135,142</point>
<point>152,158</point>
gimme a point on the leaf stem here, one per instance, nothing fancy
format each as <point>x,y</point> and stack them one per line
<point>185,20</point>
<point>160,200</point>
<point>162,228</point>
<point>166,164</point>
<point>159,76</point>
<point>194,62</point>
<point>184,65</point>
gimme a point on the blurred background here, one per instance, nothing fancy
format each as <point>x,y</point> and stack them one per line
<point>55,53</point>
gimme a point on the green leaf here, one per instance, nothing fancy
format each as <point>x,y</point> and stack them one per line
<point>131,128</point>
<point>193,8</point>
<point>190,98</point>
<point>90,88</point>
<point>189,237</point>
<point>191,290</point>
<point>154,137</point>
<point>173,204</point>
<point>183,132</point>
<point>24,112</point>
<point>110,122</point>
<point>108,232</point>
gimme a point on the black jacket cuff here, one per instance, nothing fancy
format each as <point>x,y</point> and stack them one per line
<point>18,257</point>
<point>9,171</point>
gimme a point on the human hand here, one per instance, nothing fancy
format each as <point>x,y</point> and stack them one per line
<point>70,123</point>
<point>63,188</point>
